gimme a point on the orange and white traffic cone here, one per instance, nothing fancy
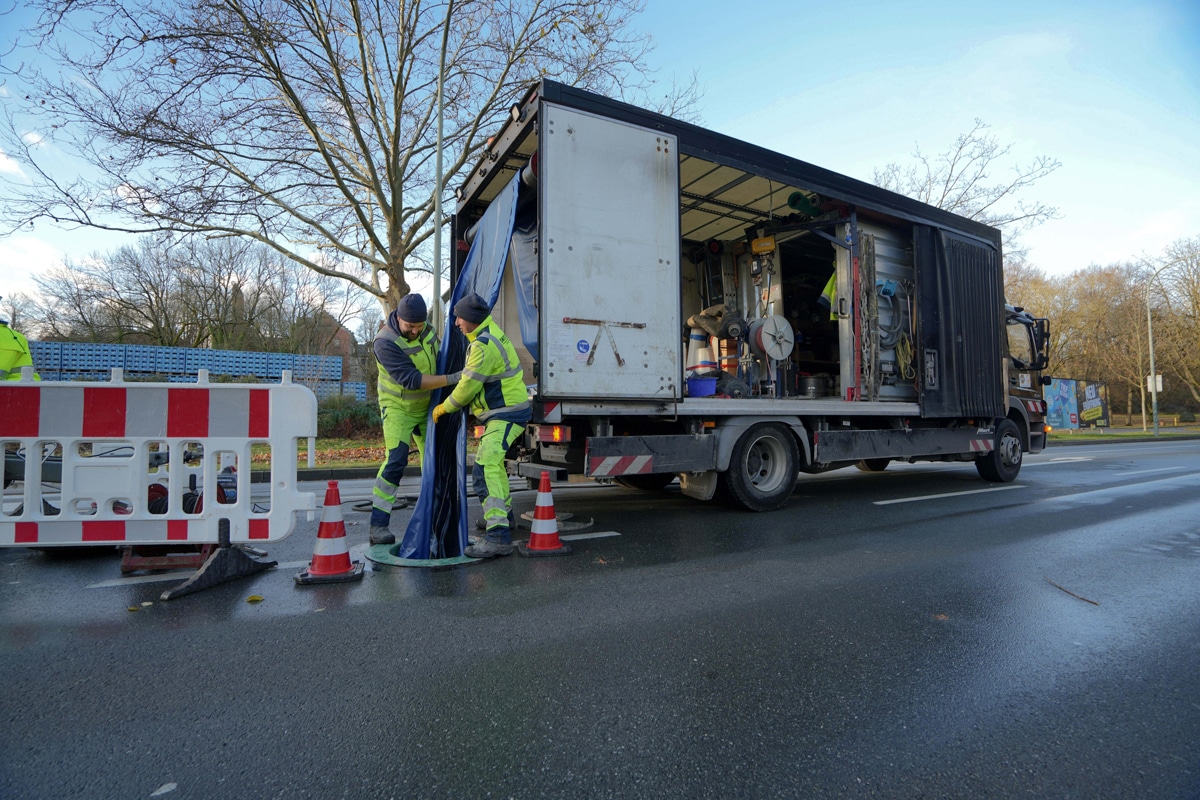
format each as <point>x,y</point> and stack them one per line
<point>543,534</point>
<point>331,557</point>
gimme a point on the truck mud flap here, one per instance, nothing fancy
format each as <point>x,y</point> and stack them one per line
<point>612,456</point>
<point>857,445</point>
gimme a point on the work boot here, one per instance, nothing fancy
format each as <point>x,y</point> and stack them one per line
<point>497,543</point>
<point>487,548</point>
<point>381,535</point>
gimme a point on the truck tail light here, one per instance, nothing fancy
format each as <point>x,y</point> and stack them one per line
<point>555,434</point>
<point>477,431</point>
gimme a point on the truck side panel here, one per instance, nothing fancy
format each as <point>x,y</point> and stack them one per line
<point>961,335</point>
<point>609,195</point>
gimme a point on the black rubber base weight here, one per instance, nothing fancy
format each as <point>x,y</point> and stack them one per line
<point>524,549</point>
<point>355,574</point>
<point>225,564</point>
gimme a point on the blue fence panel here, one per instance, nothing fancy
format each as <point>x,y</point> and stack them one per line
<point>173,360</point>
<point>47,356</point>
<point>278,362</point>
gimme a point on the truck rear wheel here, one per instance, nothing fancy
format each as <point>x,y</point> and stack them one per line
<point>1004,462</point>
<point>873,464</point>
<point>763,468</point>
<point>647,483</point>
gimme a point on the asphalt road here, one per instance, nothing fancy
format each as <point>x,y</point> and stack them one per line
<point>912,633</point>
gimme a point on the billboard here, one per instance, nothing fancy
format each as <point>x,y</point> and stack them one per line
<point>1092,397</point>
<point>1074,404</point>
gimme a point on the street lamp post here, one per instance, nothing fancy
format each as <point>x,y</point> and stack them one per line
<point>1150,337</point>
<point>1153,374</point>
<point>437,191</point>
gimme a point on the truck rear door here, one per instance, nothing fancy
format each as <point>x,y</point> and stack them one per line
<point>609,241</point>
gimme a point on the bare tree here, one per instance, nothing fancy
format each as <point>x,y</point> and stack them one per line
<point>1099,324</point>
<point>961,180</point>
<point>1175,303</point>
<point>232,294</point>
<point>307,126</point>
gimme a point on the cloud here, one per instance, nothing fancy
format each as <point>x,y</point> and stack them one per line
<point>22,257</point>
<point>9,166</point>
<point>33,139</point>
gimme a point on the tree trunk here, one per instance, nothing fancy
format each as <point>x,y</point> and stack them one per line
<point>397,287</point>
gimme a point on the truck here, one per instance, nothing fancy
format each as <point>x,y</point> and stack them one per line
<point>697,307</point>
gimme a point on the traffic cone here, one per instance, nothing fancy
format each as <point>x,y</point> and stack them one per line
<point>543,534</point>
<point>331,558</point>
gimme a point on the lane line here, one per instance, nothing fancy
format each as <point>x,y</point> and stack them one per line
<point>1151,471</point>
<point>574,537</point>
<point>181,575</point>
<point>947,494</point>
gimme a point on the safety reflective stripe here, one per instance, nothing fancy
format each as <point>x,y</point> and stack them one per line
<point>385,495</point>
<point>478,376</point>
<point>493,412</point>
<point>493,503</point>
<point>403,394</point>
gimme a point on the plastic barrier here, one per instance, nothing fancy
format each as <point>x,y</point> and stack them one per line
<point>150,463</point>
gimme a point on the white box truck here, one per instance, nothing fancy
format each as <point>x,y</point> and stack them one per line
<point>690,305</point>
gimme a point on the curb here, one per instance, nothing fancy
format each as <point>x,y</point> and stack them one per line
<point>1120,438</point>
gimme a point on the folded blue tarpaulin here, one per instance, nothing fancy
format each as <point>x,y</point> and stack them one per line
<point>438,528</point>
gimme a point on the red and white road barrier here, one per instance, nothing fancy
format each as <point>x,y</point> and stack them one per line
<point>86,460</point>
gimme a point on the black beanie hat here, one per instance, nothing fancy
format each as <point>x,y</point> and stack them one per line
<point>472,308</point>
<point>411,308</point>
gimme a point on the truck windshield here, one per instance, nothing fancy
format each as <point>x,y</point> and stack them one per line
<point>1020,344</point>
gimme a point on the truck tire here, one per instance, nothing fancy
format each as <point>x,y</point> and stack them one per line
<point>873,464</point>
<point>653,482</point>
<point>763,468</point>
<point>1003,464</point>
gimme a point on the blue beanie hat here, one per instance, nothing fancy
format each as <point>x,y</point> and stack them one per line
<point>411,308</point>
<point>472,308</point>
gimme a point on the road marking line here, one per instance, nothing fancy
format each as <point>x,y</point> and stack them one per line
<point>947,494</point>
<point>574,537</point>
<point>1150,471</point>
<point>163,576</point>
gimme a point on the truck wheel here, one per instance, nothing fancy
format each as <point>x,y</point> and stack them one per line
<point>1004,463</point>
<point>873,464</point>
<point>647,483</point>
<point>763,468</point>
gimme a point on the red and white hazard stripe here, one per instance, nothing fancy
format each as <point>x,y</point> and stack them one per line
<point>552,412</point>
<point>982,445</point>
<point>121,532</point>
<point>613,466</point>
<point>107,411</point>
<point>1035,406</point>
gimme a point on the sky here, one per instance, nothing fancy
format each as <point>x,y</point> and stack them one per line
<point>1110,89</point>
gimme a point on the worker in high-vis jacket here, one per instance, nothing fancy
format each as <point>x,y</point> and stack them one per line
<point>406,351</point>
<point>14,353</point>
<point>493,387</point>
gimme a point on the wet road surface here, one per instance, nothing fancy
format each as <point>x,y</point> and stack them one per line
<point>910,633</point>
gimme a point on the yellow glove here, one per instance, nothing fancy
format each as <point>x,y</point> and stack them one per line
<point>438,412</point>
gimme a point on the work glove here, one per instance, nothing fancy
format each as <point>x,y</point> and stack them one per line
<point>452,378</point>
<point>438,412</point>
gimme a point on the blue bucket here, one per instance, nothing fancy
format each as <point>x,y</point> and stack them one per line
<point>701,387</point>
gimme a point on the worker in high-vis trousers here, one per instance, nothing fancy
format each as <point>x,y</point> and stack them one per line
<point>406,351</point>
<point>14,353</point>
<point>493,387</point>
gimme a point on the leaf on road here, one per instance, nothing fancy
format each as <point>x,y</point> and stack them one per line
<point>254,598</point>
